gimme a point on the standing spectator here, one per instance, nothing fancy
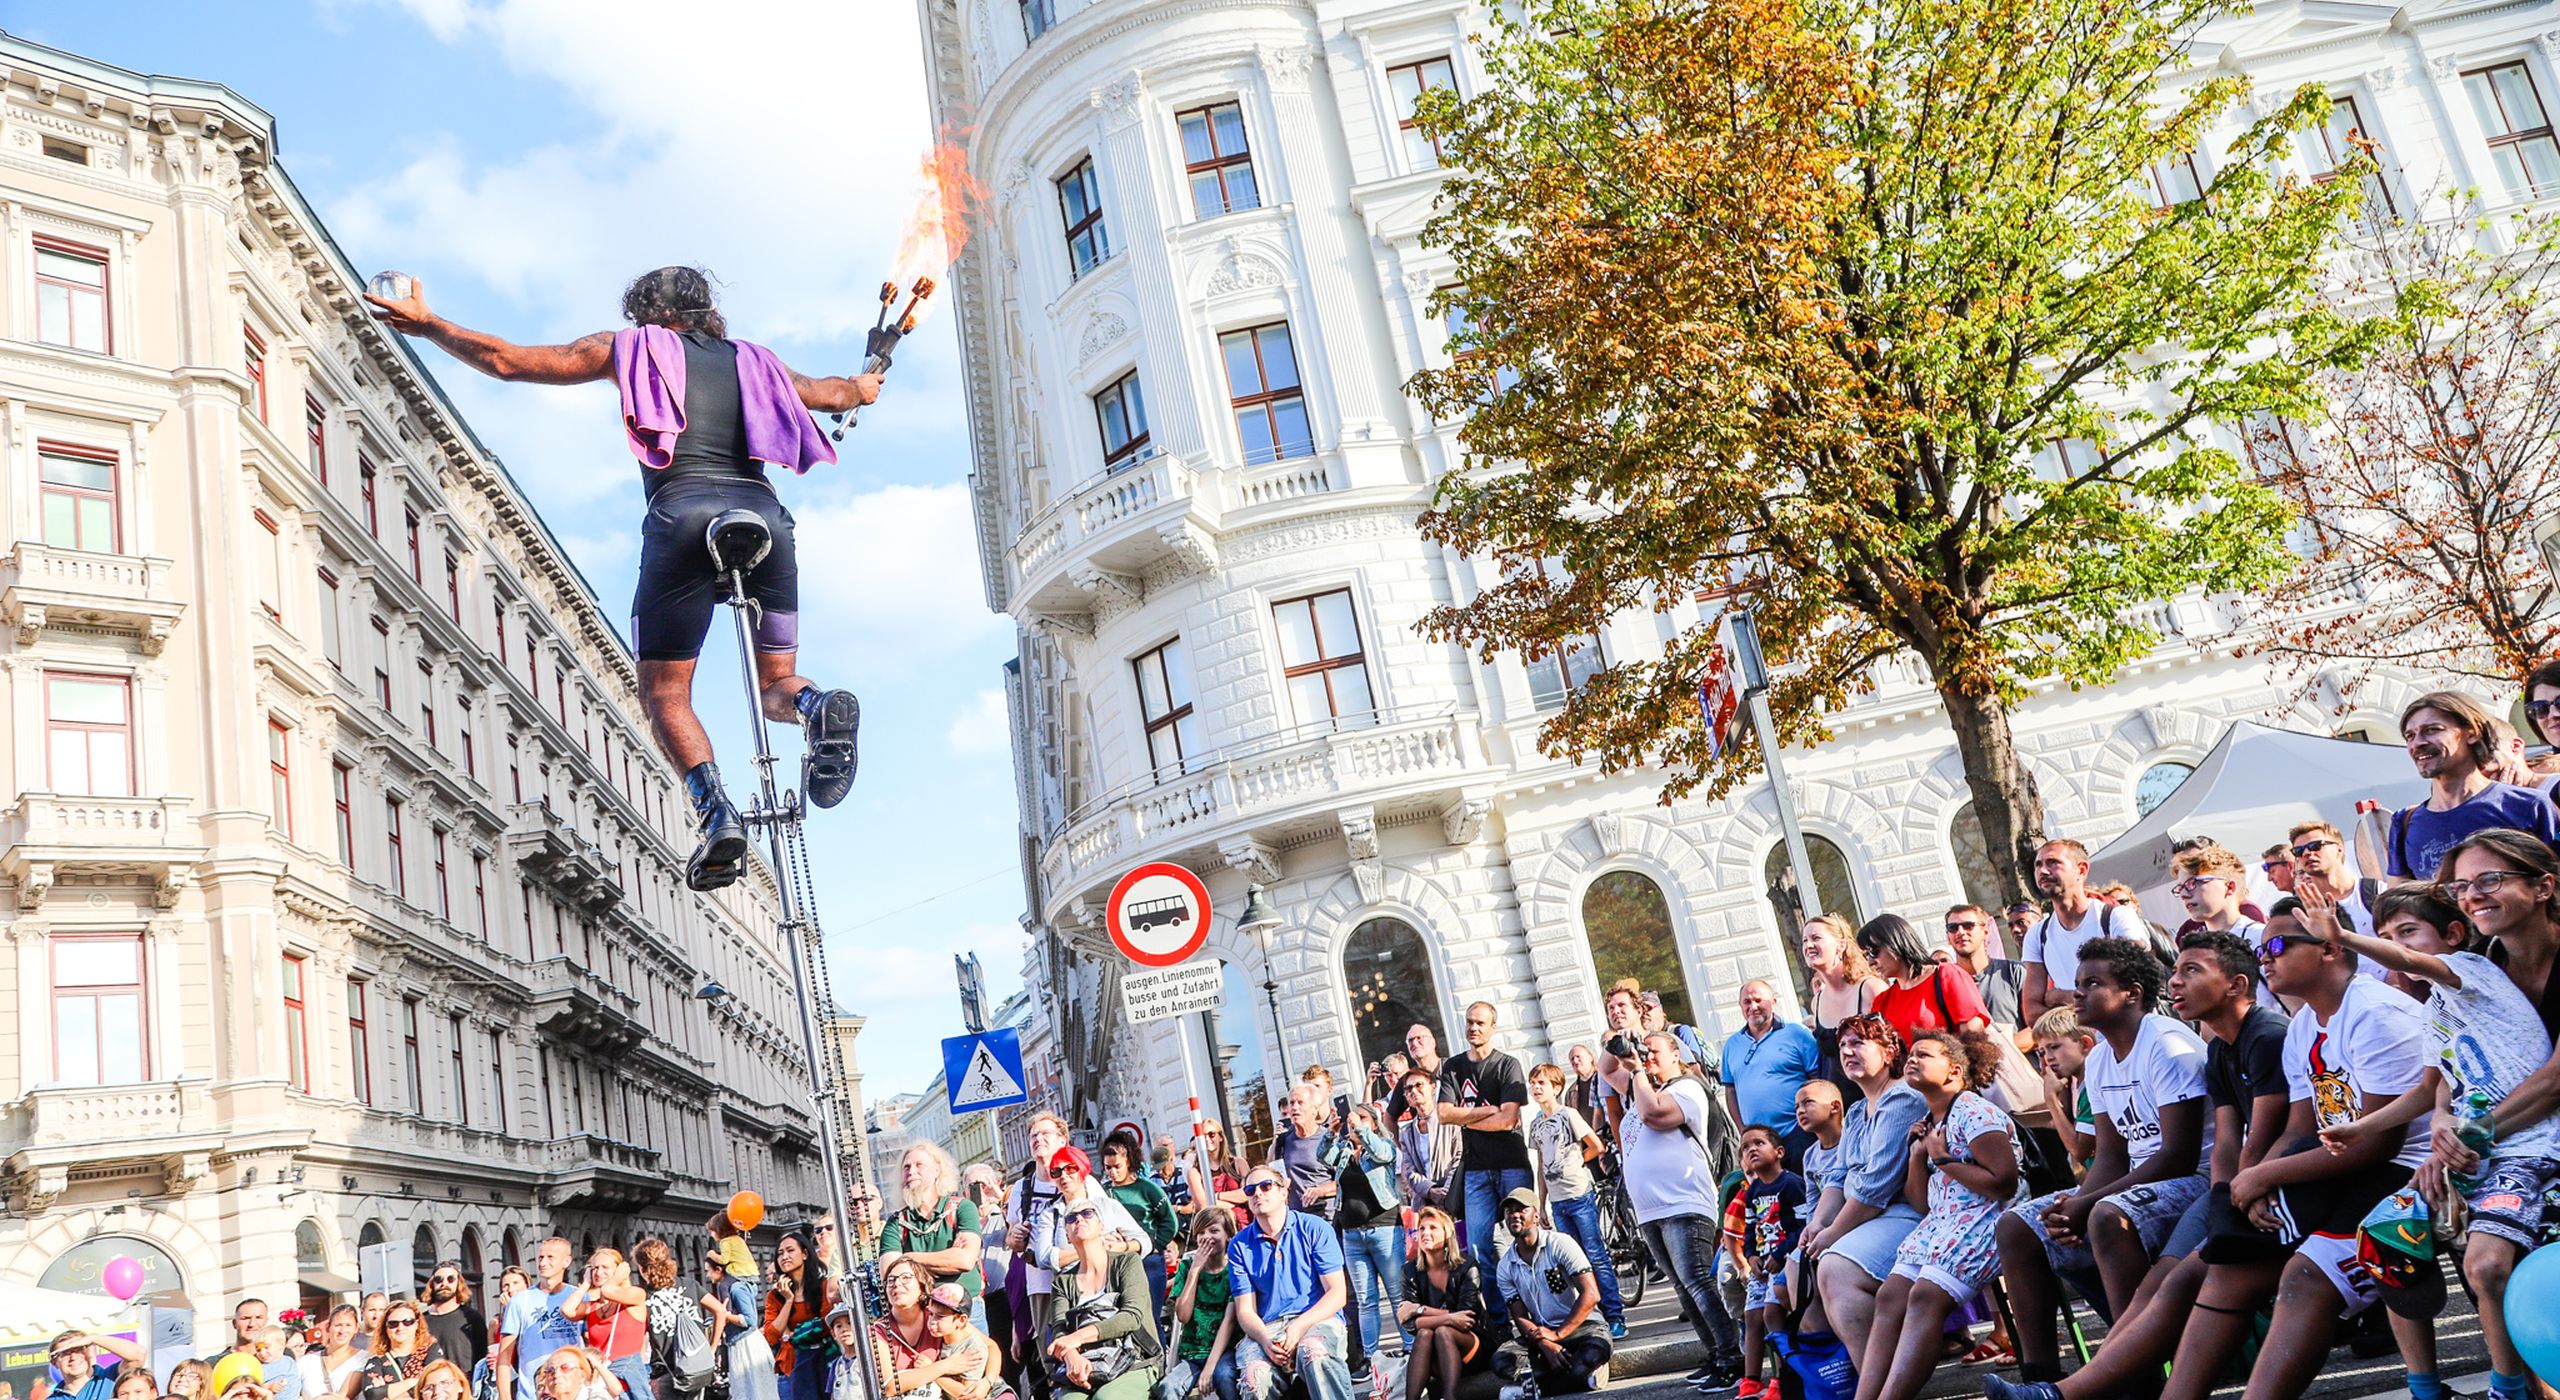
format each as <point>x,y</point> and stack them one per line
<point>1204,1354</point>
<point>985,1189</point>
<point>248,1319</point>
<point>1483,1092</point>
<point>867,1224</point>
<point>1226,1174</point>
<point>450,1316</point>
<point>2145,1077</point>
<point>1923,993</point>
<point>2276,862</point>
<point>402,1348</point>
<point>937,1225</point>
<point>1369,1218</point>
<point>535,1327</point>
<point>191,1380</point>
<point>2213,886</point>
<point>1565,1147</point>
<point>512,1280</point>
<point>2051,949</point>
<point>1306,1150</point>
<point>1429,1153</point>
<point>1843,986</point>
<point>732,1304</point>
<point>2319,856</point>
<point>1765,1062</point>
<point>1672,1186</point>
<point>1095,1315</point>
<point>75,1355</point>
<point>1034,1192</point>
<point>614,1309</point>
<point>1772,1201</point>
<point>1556,1344</point>
<point>1288,1290</point>
<point>1968,1155</point>
<point>1146,1203</point>
<point>2017,919</point>
<point>2002,981</point>
<point>2542,713</point>
<point>376,1304</point>
<point>442,1380</point>
<point>573,1373</point>
<point>1854,1253</point>
<point>801,1294</point>
<point>1422,1046</point>
<point>1584,1090</point>
<point>1620,1046</point>
<point>669,1300</point>
<point>2450,740</point>
<point>329,1368</point>
<point>1443,1308</point>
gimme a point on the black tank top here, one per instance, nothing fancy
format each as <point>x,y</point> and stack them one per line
<point>713,445</point>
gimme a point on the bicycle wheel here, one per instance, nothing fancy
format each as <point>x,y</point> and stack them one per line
<point>1625,1243</point>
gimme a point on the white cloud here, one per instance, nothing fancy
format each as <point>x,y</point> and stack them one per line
<point>984,728</point>
<point>898,975</point>
<point>892,575</point>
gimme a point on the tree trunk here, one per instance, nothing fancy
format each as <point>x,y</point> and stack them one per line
<point>2005,801</point>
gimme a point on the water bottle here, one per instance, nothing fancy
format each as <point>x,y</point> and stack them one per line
<point>2471,1127</point>
<point>2373,837</point>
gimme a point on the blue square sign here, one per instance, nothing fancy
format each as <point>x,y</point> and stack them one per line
<point>983,1070</point>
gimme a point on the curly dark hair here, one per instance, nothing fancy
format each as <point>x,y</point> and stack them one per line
<point>1971,1049</point>
<point>2131,964</point>
<point>2229,951</point>
<point>1871,1027</point>
<point>678,298</point>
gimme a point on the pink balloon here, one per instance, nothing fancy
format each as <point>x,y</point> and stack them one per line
<point>123,1277</point>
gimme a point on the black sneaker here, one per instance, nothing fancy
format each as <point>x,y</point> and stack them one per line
<point>830,718</point>
<point>721,857</point>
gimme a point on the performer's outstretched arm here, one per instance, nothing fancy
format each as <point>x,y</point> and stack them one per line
<point>581,361</point>
<point>837,394</point>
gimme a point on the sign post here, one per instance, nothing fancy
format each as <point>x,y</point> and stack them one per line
<point>1159,919</point>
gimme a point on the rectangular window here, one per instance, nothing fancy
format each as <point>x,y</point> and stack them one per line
<point>515,769</point>
<point>1558,674</point>
<point>2518,128</point>
<point>88,727</point>
<point>498,1079</point>
<point>461,1078</point>
<point>1459,326</point>
<point>560,693</point>
<point>1080,204</point>
<point>550,1118</point>
<point>55,148</point>
<point>444,885</point>
<point>1262,386</point>
<point>71,295</point>
<point>524,891</point>
<point>480,893</point>
<point>269,564</point>
<point>1037,16</point>
<point>333,642</point>
<point>297,1032</point>
<point>99,1000</point>
<point>253,362</point>
<point>453,586</point>
<point>417,558</point>
<point>1164,699</point>
<point>1216,161</point>
<point>391,844</point>
<point>1409,81</point>
<point>76,494</point>
<point>409,1053</point>
<point>462,731</point>
<point>280,777</point>
<point>315,432</point>
<point>382,663</point>
<point>1123,414</point>
<point>2174,181</point>
<point>359,1052</point>
<point>342,793</point>
<point>499,611</point>
<point>1320,658</point>
<point>427,703</point>
<point>2338,140</point>
<point>372,501</point>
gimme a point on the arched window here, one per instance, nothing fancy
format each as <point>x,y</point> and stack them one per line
<point>509,1252</point>
<point>370,1235</point>
<point>310,1253</point>
<point>1628,924</point>
<point>1229,1040</point>
<point>1973,859</point>
<point>1387,974</point>
<point>2157,782</point>
<point>422,1256</point>
<point>474,1268</point>
<point>1831,881</point>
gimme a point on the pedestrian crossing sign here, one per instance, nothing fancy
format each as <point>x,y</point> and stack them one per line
<point>983,1070</point>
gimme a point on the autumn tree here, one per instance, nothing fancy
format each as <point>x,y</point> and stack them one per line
<point>2424,479</point>
<point>1898,318</point>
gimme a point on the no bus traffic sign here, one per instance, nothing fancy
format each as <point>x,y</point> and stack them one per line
<point>1158,915</point>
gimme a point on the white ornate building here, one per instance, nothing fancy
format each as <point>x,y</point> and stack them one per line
<point>1187,326</point>
<point>344,887</point>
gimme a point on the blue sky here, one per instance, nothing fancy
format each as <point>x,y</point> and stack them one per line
<point>525,158</point>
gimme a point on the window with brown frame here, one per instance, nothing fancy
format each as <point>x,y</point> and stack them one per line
<point>280,776</point>
<point>2517,127</point>
<point>392,845</point>
<point>2174,181</point>
<point>1321,663</point>
<point>1122,412</point>
<point>1262,387</point>
<point>88,730</point>
<point>253,361</point>
<point>315,435</point>
<point>359,1049</point>
<point>409,1049</point>
<point>342,794</point>
<point>417,556</point>
<point>1164,703</point>
<point>76,496</point>
<point>372,502</point>
<point>1080,205</point>
<point>270,566</point>
<point>297,1029</point>
<point>101,1000</point>
<point>1217,161</point>
<point>1409,81</point>
<point>71,295</point>
<point>2328,147</point>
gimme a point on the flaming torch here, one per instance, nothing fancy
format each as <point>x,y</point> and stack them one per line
<point>934,235</point>
<point>882,341</point>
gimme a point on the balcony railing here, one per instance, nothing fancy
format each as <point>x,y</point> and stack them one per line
<point>47,834</point>
<point>1115,524</point>
<point>601,1173</point>
<point>108,1123</point>
<point>43,586</point>
<point>575,1004</point>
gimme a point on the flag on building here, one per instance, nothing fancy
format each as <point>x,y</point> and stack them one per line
<point>1720,695</point>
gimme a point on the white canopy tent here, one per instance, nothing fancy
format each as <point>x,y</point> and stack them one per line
<point>2255,785</point>
<point>31,1311</point>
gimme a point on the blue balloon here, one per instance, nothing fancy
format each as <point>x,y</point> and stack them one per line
<point>2533,1310</point>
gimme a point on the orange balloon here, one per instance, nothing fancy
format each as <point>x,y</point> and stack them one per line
<point>746,1210</point>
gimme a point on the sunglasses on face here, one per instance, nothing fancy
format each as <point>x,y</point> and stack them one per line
<point>2308,847</point>
<point>2542,709</point>
<point>399,1322</point>
<point>445,1278</point>
<point>2486,882</point>
<point>2272,866</point>
<point>1959,928</point>
<point>1082,1214</point>
<point>1256,1188</point>
<point>2277,943</point>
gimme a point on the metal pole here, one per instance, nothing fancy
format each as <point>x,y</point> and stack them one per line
<point>772,815</point>
<point>1755,695</point>
<point>1205,1195</point>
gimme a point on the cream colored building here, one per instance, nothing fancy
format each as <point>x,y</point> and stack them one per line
<point>343,887</point>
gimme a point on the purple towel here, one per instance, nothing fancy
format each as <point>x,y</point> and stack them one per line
<point>648,369</point>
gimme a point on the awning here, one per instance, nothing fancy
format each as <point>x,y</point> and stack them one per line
<point>29,1310</point>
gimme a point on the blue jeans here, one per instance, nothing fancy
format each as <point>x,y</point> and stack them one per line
<point>1154,1265</point>
<point>1319,1367</point>
<point>1373,1257</point>
<point>1580,1218</point>
<point>1180,1376</point>
<point>1484,1193</point>
<point>1686,1245</point>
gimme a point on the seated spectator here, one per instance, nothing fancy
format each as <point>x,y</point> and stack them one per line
<point>2062,1052</point>
<point>442,1380</point>
<point>1443,1309</point>
<point>2145,1079</point>
<point>1854,1252</point>
<point>1772,1201</point>
<point>1557,1342</point>
<point>1288,1291</point>
<point>938,1225</point>
<point>572,1373</point>
<point>192,1380</point>
<point>1204,1353</point>
<point>1145,1202</point>
<point>908,1354</point>
<point>1563,1148</point>
<point>1921,993</point>
<point>2450,739</point>
<point>1822,1114</point>
<point>2212,885</point>
<point>1102,1343</point>
<point>972,1365</point>
<point>1968,1160</point>
<point>75,1355</point>
<point>1072,1173</point>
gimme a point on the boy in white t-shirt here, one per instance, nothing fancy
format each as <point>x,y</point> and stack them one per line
<point>1563,1146</point>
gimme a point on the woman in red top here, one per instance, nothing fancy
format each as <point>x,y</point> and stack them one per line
<point>1921,993</point>
<point>616,1312</point>
<point>801,1294</point>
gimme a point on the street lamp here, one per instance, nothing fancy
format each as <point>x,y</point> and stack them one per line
<point>1260,919</point>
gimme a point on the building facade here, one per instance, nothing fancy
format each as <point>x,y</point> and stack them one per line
<point>1187,325</point>
<point>347,903</point>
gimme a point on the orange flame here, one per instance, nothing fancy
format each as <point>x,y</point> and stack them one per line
<point>947,208</point>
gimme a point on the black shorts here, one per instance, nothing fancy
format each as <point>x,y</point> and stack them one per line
<point>672,605</point>
<point>2333,1205</point>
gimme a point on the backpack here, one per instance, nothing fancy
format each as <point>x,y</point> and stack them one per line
<point>692,1361</point>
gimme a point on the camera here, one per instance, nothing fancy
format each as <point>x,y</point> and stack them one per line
<point>1622,1044</point>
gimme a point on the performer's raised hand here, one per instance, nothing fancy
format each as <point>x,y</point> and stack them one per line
<point>409,315</point>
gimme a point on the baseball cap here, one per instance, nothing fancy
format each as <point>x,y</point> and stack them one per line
<point>948,1297</point>
<point>1071,1156</point>
<point>2396,1244</point>
<point>237,1367</point>
<point>844,1311</point>
<point>1522,1197</point>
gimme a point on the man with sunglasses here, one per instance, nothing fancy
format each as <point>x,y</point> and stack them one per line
<point>1287,1288</point>
<point>75,1355</point>
<point>451,1317</point>
<point>2319,854</point>
<point>2002,981</point>
<point>2276,862</point>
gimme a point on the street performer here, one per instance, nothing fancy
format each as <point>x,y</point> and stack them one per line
<point>705,414</point>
